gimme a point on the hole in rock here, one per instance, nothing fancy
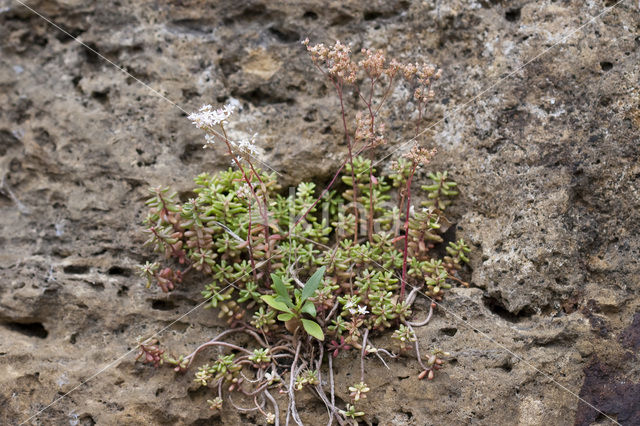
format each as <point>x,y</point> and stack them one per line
<point>163,305</point>
<point>310,15</point>
<point>512,15</point>
<point>34,329</point>
<point>449,331</point>
<point>606,66</point>
<point>76,269</point>
<point>117,270</point>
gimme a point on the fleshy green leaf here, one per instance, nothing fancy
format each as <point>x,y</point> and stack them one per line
<point>281,290</point>
<point>275,304</point>
<point>313,328</point>
<point>285,317</point>
<point>312,284</point>
<point>309,308</point>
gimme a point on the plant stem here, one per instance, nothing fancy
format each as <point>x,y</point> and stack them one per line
<point>225,344</point>
<point>333,390</point>
<point>425,321</point>
<point>319,389</point>
<point>292,399</point>
<point>406,232</point>
<point>276,410</point>
<point>417,346</point>
<point>338,86</point>
<point>192,355</point>
<point>265,216</point>
<point>256,391</point>
<point>250,247</point>
<point>264,213</point>
<point>363,353</point>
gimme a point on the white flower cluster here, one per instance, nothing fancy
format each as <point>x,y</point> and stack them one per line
<point>353,309</point>
<point>207,117</point>
<point>247,146</point>
<point>244,147</point>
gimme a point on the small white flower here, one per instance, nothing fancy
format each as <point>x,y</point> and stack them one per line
<point>272,377</point>
<point>209,140</point>
<point>349,304</point>
<point>352,311</point>
<point>362,310</point>
<point>243,191</point>
<point>248,145</point>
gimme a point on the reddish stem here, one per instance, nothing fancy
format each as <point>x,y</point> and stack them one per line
<point>372,124</point>
<point>338,86</point>
<point>406,233</point>
<point>265,216</point>
<point>181,256</point>
<point>253,192</point>
<point>250,247</point>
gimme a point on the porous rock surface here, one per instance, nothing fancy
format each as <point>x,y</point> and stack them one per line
<point>545,150</point>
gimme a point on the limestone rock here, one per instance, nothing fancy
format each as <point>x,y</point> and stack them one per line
<point>543,140</point>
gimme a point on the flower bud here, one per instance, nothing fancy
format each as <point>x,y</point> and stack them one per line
<point>432,360</point>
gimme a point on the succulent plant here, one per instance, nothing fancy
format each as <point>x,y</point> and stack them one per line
<point>311,272</point>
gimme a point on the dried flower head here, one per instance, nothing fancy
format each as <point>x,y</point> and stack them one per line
<point>373,63</point>
<point>423,94</point>
<point>425,72</point>
<point>409,70</point>
<point>336,59</point>
<point>394,67</point>
<point>420,155</point>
